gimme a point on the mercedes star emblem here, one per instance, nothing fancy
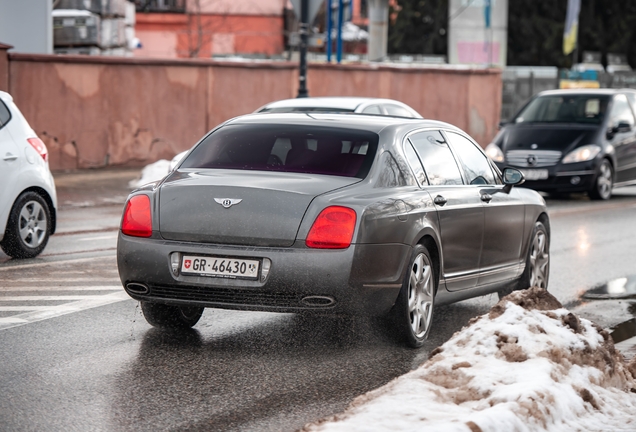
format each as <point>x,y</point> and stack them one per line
<point>228,202</point>
<point>532,160</point>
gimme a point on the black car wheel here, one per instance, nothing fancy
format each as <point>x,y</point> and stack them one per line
<point>537,269</point>
<point>413,310</point>
<point>602,189</point>
<point>161,315</point>
<point>28,227</point>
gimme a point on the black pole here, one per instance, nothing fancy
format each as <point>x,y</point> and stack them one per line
<point>304,26</point>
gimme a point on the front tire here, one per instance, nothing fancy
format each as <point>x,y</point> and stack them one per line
<point>166,316</point>
<point>537,269</point>
<point>28,227</point>
<point>413,310</point>
<point>602,189</point>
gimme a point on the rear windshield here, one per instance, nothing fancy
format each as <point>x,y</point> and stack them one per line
<point>286,148</point>
<point>588,109</point>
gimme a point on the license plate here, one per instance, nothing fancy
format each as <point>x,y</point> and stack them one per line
<point>220,267</point>
<point>536,174</point>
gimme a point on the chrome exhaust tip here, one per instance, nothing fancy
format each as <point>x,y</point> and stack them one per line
<point>137,288</point>
<point>318,301</point>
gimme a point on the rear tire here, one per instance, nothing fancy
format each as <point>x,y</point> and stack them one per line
<point>28,227</point>
<point>537,269</point>
<point>413,309</point>
<point>604,182</point>
<point>166,316</point>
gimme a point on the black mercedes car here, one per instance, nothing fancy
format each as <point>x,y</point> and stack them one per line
<point>572,141</point>
<point>331,214</point>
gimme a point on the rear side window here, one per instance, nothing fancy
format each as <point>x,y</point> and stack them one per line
<point>5,114</point>
<point>286,148</point>
<point>372,109</point>
<point>437,158</point>
<point>398,111</point>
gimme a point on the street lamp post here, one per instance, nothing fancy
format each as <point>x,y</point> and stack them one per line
<point>303,30</point>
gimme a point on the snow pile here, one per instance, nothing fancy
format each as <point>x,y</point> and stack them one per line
<point>528,365</point>
<point>153,172</point>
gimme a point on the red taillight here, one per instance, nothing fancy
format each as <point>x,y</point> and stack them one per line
<point>333,228</point>
<point>39,147</point>
<point>137,220</point>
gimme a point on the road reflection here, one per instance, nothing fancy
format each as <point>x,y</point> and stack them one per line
<point>276,374</point>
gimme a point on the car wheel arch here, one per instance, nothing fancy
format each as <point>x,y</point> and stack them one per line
<point>545,220</point>
<point>433,246</point>
<point>611,158</point>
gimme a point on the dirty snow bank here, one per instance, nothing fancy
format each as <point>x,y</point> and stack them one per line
<point>153,172</point>
<point>528,365</point>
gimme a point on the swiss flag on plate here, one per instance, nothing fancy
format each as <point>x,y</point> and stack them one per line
<point>187,263</point>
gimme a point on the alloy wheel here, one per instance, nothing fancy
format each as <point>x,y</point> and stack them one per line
<point>604,180</point>
<point>420,295</point>
<point>32,224</point>
<point>539,261</point>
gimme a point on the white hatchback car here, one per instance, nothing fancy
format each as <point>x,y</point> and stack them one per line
<point>28,201</point>
<point>335,104</point>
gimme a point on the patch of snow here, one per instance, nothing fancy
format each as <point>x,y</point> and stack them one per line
<point>350,32</point>
<point>528,365</point>
<point>175,160</point>
<point>150,173</point>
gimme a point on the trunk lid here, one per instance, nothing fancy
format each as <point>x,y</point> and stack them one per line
<point>269,213</point>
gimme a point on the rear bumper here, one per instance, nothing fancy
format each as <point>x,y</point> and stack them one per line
<point>362,279</point>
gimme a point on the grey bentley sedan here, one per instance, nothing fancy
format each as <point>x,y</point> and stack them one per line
<point>331,214</point>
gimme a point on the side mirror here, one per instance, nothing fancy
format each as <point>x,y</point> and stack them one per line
<point>623,126</point>
<point>502,124</point>
<point>512,177</point>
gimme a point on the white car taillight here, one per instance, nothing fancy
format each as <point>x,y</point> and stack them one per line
<point>39,147</point>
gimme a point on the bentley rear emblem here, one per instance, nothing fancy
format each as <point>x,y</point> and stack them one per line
<point>228,202</point>
<point>532,160</point>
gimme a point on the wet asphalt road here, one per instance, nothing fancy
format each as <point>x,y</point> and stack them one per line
<point>77,355</point>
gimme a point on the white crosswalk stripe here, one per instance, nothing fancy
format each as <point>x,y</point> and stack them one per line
<point>21,305</point>
<point>110,287</point>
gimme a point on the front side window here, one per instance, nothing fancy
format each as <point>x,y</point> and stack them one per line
<point>286,148</point>
<point>439,164</point>
<point>475,163</point>
<point>632,99</point>
<point>621,112</point>
<point>585,109</point>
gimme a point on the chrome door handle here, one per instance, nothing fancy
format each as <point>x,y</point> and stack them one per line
<point>10,157</point>
<point>486,197</point>
<point>440,200</point>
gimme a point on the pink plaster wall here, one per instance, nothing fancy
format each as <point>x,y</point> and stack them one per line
<point>97,112</point>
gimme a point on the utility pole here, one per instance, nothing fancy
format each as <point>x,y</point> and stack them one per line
<point>378,29</point>
<point>303,30</point>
